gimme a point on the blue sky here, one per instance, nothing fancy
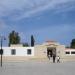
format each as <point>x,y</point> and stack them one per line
<point>45,19</point>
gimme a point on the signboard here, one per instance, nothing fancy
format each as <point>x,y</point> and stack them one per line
<point>1,51</point>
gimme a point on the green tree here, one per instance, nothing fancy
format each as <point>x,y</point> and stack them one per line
<point>32,40</point>
<point>14,38</point>
<point>25,44</point>
<point>73,43</point>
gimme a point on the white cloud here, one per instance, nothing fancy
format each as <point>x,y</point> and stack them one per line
<point>2,25</point>
<point>20,9</point>
<point>53,30</point>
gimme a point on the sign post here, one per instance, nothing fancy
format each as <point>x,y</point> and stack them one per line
<point>1,50</point>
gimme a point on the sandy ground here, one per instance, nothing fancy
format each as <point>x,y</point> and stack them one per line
<point>37,68</point>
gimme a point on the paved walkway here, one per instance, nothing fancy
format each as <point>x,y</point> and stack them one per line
<point>38,68</point>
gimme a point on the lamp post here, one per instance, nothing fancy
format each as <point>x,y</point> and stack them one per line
<point>1,50</point>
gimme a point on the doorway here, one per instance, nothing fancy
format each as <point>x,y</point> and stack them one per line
<point>51,51</point>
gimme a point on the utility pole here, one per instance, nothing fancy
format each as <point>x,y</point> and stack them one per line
<point>1,50</point>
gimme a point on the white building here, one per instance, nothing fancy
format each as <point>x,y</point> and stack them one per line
<point>18,51</point>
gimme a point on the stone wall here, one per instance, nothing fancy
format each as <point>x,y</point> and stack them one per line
<point>40,51</point>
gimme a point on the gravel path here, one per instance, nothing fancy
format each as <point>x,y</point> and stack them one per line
<point>37,68</point>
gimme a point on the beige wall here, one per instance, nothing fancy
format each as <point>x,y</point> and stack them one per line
<point>40,51</point>
<point>60,50</point>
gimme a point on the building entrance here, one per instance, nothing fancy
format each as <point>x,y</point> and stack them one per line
<point>51,52</point>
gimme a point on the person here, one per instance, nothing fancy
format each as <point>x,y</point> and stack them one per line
<point>54,56</point>
<point>58,59</point>
<point>49,55</point>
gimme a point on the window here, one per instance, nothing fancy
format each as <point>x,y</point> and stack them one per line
<point>29,51</point>
<point>73,52</point>
<point>67,52</point>
<point>13,52</point>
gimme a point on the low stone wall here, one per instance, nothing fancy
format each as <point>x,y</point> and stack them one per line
<point>23,59</point>
<point>15,58</point>
<point>68,58</point>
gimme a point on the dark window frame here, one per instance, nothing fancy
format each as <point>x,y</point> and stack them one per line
<point>67,52</point>
<point>29,51</point>
<point>72,52</point>
<point>13,52</point>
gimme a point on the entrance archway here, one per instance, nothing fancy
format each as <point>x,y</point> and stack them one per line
<point>51,51</point>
